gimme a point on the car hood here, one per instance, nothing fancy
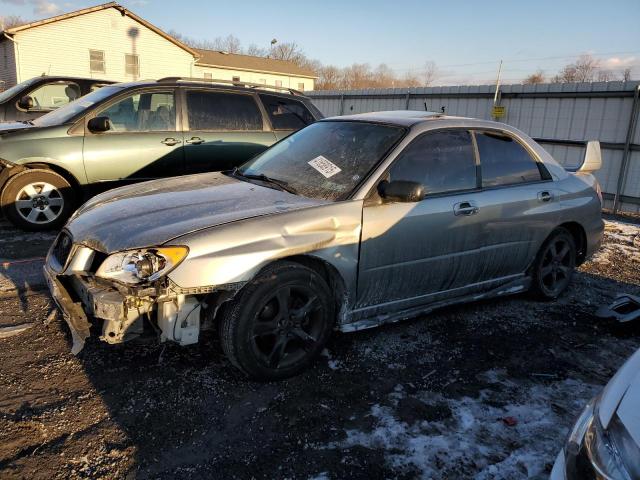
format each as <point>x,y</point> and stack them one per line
<point>621,397</point>
<point>152,213</point>
<point>8,127</point>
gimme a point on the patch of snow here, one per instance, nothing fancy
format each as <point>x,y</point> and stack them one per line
<point>474,441</point>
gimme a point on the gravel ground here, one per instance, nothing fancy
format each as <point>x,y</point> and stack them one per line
<point>485,390</point>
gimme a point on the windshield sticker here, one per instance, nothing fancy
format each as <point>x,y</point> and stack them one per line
<point>324,166</point>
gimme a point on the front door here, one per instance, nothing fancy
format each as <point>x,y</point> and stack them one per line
<point>142,143</point>
<point>224,130</point>
<point>411,252</point>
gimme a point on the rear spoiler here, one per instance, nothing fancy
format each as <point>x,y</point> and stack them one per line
<point>592,159</point>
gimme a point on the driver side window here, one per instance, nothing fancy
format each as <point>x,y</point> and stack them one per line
<point>53,95</point>
<point>142,112</point>
<point>442,161</point>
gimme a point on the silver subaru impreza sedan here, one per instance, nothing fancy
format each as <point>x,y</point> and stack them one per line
<point>350,223</point>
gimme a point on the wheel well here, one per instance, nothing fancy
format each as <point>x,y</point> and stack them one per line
<point>579,237</point>
<point>75,185</point>
<point>330,275</point>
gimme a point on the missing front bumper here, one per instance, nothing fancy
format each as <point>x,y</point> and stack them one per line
<point>175,316</point>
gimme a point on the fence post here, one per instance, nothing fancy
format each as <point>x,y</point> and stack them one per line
<point>626,155</point>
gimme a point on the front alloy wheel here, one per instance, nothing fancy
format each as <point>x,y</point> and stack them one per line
<point>37,199</point>
<point>278,323</point>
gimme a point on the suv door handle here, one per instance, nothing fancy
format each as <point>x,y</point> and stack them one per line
<point>545,196</point>
<point>465,208</point>
<point>171,141</point>
<point>194,141</point>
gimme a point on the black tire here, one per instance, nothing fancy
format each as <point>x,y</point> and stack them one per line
<point>554,265</point>
<point>278,323</point>
<point>37,200</point>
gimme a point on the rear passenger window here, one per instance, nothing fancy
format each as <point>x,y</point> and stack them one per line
<point>286,114</point>
<point>504,161</point>
<point>222,111</point>
<point>442,161</point>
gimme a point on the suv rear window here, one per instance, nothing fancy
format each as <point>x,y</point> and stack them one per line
<point>285,113</point>
<point>222,111</point>
<point>503,161</point>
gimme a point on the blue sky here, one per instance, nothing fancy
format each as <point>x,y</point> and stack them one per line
<point>465,39</point>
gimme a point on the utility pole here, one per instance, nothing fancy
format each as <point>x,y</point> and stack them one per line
<point>495,97</point>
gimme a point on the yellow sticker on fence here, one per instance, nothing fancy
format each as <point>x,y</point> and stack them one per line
<point>498,111</point>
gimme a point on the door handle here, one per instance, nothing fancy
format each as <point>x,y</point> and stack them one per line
<point>171,141</point>
<point>194,141</point>
<point>465,208</point>
<point>545,196</point>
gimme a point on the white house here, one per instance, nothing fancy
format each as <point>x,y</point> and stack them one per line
<point>110,42</point>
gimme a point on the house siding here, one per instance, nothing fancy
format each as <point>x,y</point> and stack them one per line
<point>289,81</point>
<point>8,76</point>
<point>62,48</point>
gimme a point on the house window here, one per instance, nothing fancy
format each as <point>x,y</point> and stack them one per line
<point>301,87</point>
<point>131,64</point>
<point>278,83</point>
<point>207,76</point>
<point>236,79</point>
<point>96,61</point>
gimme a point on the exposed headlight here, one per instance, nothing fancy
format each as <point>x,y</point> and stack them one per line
<point>138,266</point>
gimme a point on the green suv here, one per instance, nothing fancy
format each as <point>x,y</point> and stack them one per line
<point>131,132</point>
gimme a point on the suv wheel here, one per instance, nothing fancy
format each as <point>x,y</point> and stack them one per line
<point>37,200</point>
<point>278,324</point>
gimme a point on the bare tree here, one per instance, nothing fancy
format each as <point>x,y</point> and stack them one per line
<point>605,76</point>
<point>626,74</point>
<point>229,44</point>
<point>534,78</point>
<point>257,51</point>
<point>11,21</point>
<point>583,70</point>
<point>430,73</point>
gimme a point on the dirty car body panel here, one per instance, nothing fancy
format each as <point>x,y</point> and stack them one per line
<point>384,260</point>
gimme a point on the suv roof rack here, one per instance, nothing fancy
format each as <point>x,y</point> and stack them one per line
<point>261,86</point>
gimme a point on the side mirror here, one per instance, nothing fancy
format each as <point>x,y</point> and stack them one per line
<point>26,102</point>
<point>401,191</point>
<point>99,124</point>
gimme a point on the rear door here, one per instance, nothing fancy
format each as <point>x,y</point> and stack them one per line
<point>427,248</point>
<point>222,130</point>
<point>286,114</point>
<point>143,142</point>
<point>518,202</point>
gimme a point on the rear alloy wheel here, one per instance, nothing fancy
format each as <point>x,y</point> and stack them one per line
<point>37,200</point>
<point>279,323</point>
<point>554,265</point>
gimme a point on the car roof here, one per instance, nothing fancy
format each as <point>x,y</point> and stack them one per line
<point>217,85</point>
<point>419,119</point>
<point>65,77</point>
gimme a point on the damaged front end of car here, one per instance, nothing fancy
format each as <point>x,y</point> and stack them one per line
<point>123,294</point>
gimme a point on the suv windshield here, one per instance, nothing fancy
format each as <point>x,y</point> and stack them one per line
<point>7,94</point>
<point>325,160</point>
<point>65,114</point>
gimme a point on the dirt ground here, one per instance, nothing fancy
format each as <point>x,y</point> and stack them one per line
<point>485,390</point>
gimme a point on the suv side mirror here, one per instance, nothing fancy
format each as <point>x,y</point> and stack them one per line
<point>401,191</point>
<point>26,102</point>
<point>99,124</point>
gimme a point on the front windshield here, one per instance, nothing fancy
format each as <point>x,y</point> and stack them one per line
<point>65,114</point>
<point>326,160</point>
<point>7,94</point>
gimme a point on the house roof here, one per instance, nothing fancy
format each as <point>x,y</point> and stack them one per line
<point>214,58</point>
<point>123,11</point>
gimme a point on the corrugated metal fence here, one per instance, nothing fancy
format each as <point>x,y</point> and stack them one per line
<point>562,117</point>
